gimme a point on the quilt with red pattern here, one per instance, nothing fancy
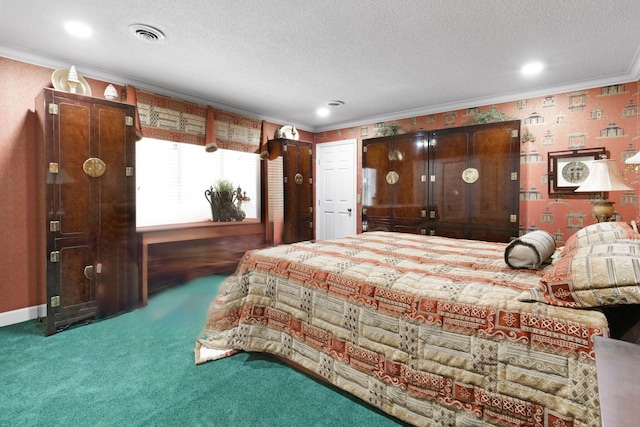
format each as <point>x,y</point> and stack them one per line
<point>429,329</point>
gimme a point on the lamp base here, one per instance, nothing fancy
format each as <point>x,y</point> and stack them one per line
<point>602,210</point>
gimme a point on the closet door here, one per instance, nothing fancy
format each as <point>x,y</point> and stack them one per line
<point>474,174</point>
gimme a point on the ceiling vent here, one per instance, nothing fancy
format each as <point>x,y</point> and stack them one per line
<point>335,103</point>
<point>146,33</point>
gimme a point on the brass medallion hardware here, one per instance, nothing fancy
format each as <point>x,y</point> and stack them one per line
<point>392,177</point>
<point>88,272</point>
<point>470,175</point>
<point>298,179</point>
<point>94,167</point>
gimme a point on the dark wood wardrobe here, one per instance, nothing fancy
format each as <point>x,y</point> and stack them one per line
<point>290,189</point>
<point>86,207</point>
<point>457,182</point>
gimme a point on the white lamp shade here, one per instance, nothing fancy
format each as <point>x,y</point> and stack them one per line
<point>633,160</point>
<point>604,176</point>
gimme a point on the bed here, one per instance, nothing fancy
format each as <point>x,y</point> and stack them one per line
<point>436,331</point>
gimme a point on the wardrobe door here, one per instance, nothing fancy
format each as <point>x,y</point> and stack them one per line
<point>377,193</point>
<point>409,207</point>
<point>298,191</point>
<point>71,200</point>
<point>116,252</point>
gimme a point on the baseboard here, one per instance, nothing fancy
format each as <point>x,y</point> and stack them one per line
<point>22,315</point>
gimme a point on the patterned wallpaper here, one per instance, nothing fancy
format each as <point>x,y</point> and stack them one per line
<point>599,117</point>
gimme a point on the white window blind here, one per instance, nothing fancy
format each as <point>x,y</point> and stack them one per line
<point>171,179</point>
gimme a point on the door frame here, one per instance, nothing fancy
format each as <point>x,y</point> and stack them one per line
<point>320,150</point>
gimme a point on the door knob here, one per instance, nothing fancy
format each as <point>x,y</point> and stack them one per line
<point>349,210</point>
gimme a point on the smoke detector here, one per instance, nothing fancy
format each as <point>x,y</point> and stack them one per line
<point>146,33</point>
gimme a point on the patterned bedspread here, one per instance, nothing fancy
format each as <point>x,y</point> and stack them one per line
<point>429,329</point>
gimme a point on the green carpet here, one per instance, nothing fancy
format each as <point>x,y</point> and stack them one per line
<point>138,369</point>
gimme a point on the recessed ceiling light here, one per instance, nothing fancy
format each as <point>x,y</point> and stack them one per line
<point>78,29</point>
<point>532,68</point>
<point>322,111</point>
<point>146,33</point>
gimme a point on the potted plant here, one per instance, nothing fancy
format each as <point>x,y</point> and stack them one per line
<point>221,197</point>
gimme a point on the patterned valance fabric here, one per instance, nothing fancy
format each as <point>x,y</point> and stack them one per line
<point>172,119</point>
<point>236,132</point>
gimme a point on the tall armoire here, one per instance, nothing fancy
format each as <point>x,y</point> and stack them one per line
<point>290,190</point>
<point>86,207</point>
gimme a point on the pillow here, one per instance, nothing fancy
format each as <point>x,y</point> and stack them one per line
<point>602,232</point>
<point>530,250</point>
<point>599,275</point>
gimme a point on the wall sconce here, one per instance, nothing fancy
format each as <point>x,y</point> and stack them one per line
<point>604,177</point>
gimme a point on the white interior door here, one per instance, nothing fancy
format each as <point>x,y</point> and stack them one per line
<point>336,189</point>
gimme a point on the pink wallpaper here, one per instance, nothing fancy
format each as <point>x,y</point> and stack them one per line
<point>600,117</point>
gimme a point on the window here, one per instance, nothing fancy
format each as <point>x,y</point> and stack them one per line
<point>171,179</point>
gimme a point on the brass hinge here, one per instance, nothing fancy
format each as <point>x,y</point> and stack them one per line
<point>285,179</point>
<point>432,232</point>
<point>514,133</point>
<point>364,211</point>
<point>513,218</point>
<point>128,121</point>
<point>54,226</point>
<point>432,178</point>
<point>284,148</point>
<point>129,171</point>
<point>53,108</point>
<point>423,178</point>
<point>514,176</point>
<point>311,151</point>
<point>54,256</point>
<point>311,224</point>
<point>432,214</point>
<point>53,167</point>
<point>310,181</point>
<point>55,301</point>
<point>364,148</point>
<point>423,231</point>
<point>423,213</point>
<point>310,209</point>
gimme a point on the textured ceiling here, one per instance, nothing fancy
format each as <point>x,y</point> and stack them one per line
<point>386,59</point>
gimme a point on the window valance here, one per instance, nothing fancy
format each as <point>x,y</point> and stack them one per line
<point>176,120</point>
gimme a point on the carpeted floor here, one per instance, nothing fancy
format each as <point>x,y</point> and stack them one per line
<point>138,369</point>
